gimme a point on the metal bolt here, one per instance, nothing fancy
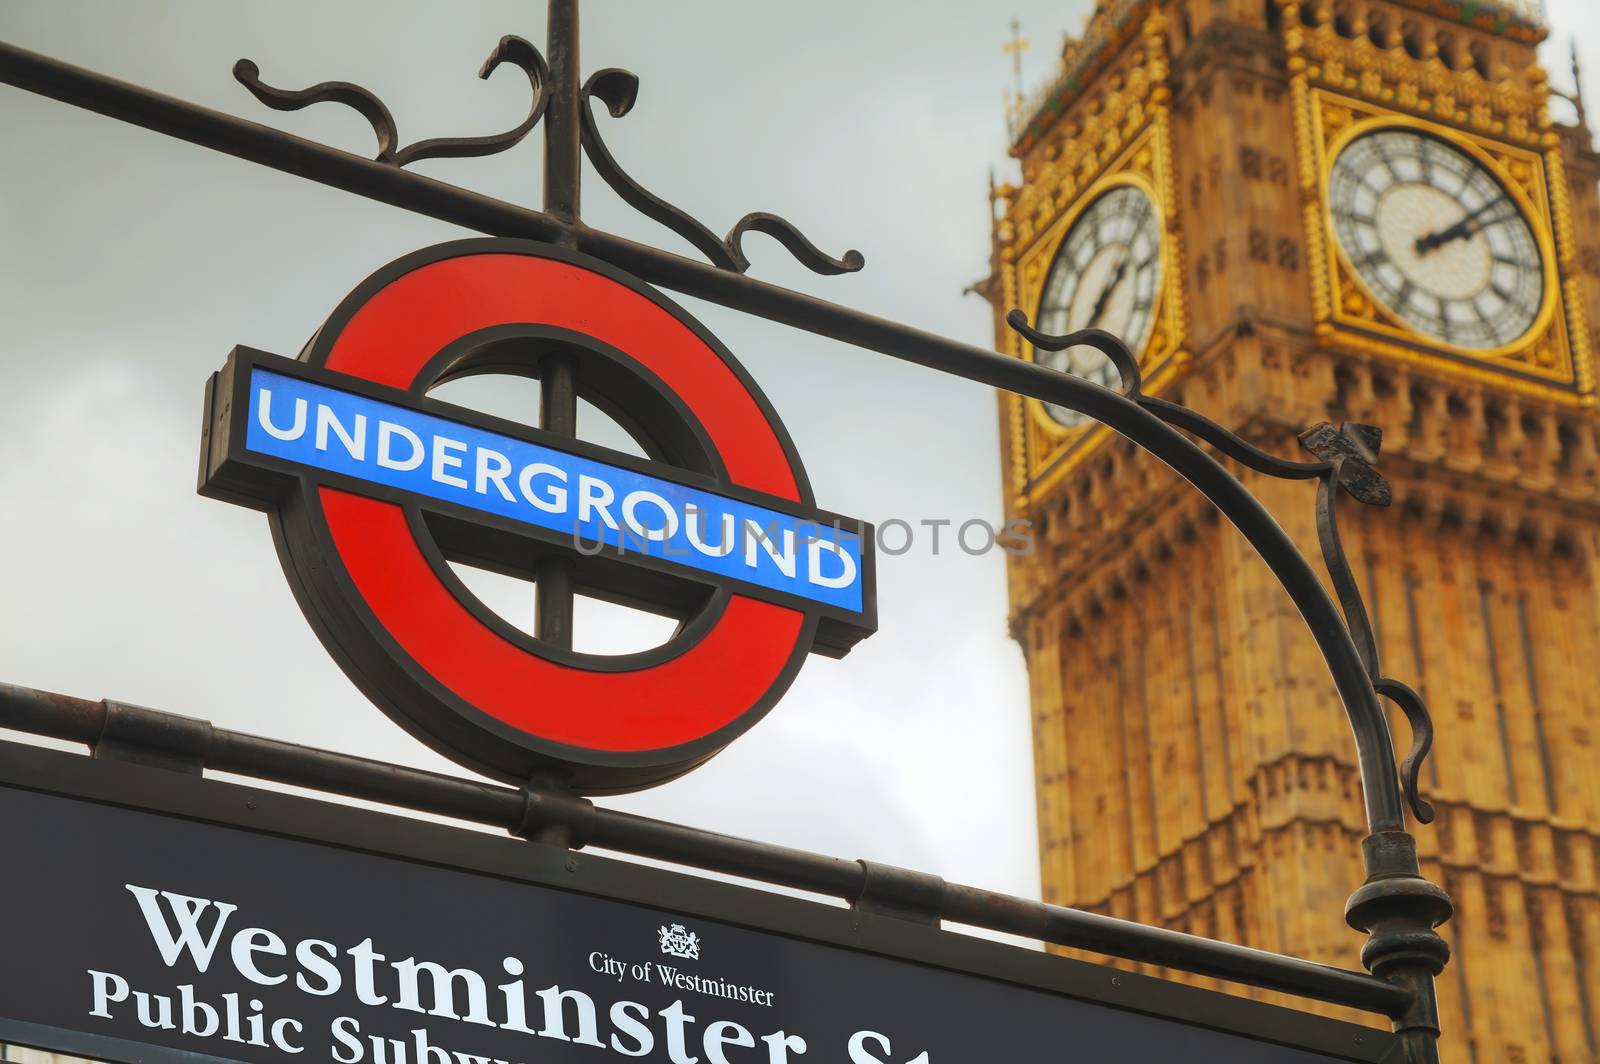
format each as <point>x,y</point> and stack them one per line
<point>1116,982</point>
<point>572,864</point>
<point>249,803</point>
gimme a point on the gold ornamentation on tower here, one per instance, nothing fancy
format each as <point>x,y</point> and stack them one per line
<point>1113,174</point>
<point>1540,357</point>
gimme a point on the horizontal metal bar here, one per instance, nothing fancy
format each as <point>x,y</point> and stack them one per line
<point>283,151</point>
<point>80,720</point>
<point>1381,791</point>
<point>1171,949</point>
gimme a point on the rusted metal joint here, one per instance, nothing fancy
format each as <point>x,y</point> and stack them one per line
<point>149,737</point>
<point>888,890</point>
<point>555,818</point>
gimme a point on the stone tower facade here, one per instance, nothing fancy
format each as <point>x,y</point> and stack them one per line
<point>1340,209</point>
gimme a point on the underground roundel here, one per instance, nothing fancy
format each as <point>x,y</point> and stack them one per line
<point>373,488</point>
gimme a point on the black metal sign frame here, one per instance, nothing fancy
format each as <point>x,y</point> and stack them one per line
<point>265,812</point>
<point>1396,906</point>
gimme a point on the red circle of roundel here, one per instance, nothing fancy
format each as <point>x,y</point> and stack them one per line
<point>462,684</point>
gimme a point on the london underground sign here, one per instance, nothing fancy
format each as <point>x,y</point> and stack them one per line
<point>593,503</point>
<point>373,487</point>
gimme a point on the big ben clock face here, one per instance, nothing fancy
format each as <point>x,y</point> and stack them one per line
<point>1436,238</point>
<point>1107,275</point>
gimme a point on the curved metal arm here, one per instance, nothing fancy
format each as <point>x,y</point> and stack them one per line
<point>794,242</point>
<point>1344,581</point>
<point>1360,625</point>
<point>351,95</point>
<point>519,53</point>
<point>1421,722</point>
<point>1345,640</point>
<point>1133,384</point>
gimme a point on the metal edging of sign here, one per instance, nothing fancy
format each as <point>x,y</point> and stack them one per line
<point>167,793</point>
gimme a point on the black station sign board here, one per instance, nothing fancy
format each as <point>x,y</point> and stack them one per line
<point>161,917</point>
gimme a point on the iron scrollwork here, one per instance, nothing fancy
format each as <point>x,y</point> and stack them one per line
<point>618,90</point>
<point>1345,458</point>
<point>511,49</point>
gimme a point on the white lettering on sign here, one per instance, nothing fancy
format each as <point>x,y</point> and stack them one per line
<point>725,539</point>
<point>186,914</point>
<point>859,1054</point>
<point>387,431</point>
<point>191,933</point>
<point>297,427</point>
<point>354,438</point>
<point>595,501</point>
<point>447,455</point>
<point>847,564</point>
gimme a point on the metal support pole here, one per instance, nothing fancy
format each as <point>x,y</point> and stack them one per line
<point>563,152</point>
<point>558,400</point>
<point>553,576</point>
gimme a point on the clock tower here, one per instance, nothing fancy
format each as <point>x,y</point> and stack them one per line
<point>1297,212</point>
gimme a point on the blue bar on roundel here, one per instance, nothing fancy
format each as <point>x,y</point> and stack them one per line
<point>324,428</point>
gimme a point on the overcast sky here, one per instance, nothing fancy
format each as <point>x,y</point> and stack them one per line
<point>132,263</point>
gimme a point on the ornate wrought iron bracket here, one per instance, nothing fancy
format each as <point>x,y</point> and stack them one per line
<point>1348,454</point>
<point>618,90</point>
<point>511,49</point>
<point>1344,459</point>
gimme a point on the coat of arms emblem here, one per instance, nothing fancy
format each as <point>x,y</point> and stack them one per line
<point>679,941</point>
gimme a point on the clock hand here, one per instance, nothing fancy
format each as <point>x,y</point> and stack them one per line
<point>1104,297</point>
<point>1459,231</point>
